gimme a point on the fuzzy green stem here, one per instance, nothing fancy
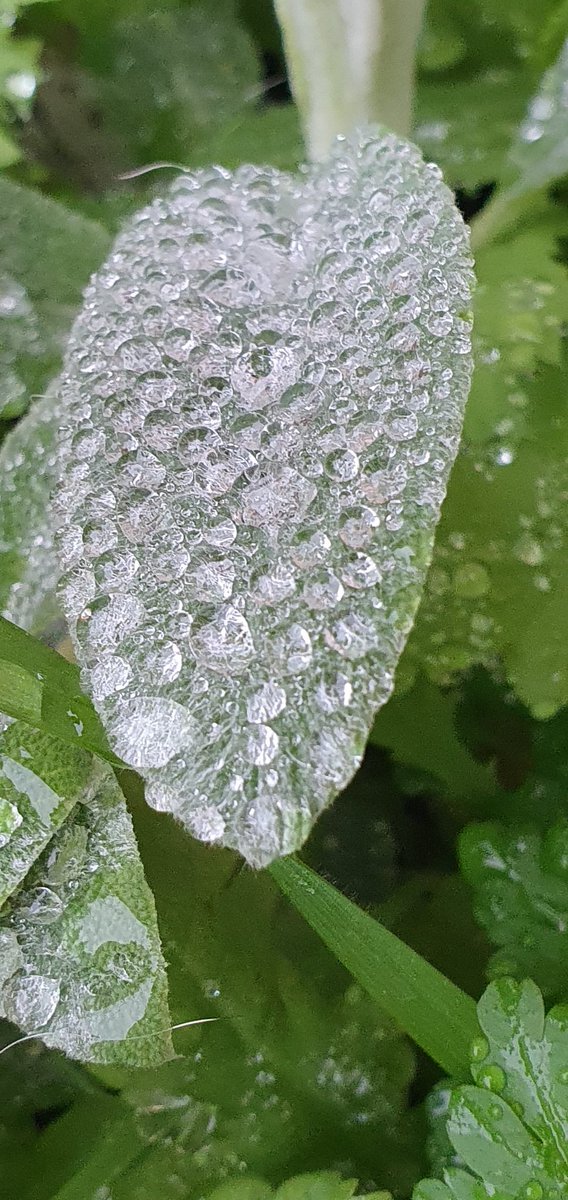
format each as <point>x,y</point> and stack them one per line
<point>351,62</point>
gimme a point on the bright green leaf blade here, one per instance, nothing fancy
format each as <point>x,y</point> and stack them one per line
<point>435,1013</point>
<point>520,881</point>
<point>82,966</point>
<point>38,788</point>
<point>46,256</point>
<point>269,541</point>
<point>37,682</point>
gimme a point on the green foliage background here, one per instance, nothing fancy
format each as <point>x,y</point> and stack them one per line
<point>455,830</point>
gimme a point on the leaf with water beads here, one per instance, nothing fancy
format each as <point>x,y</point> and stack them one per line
<point>80,958</point>
<point>510,1132</point>
<point>520,880</point>
<point>262,400</point>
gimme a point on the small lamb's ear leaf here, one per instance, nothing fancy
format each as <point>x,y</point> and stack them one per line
<point>46,256</point>
<point>38,788</point>
<point>253,456</point>
<point>81,964</point>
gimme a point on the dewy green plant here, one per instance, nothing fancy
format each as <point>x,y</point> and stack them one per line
<point>231,406</point>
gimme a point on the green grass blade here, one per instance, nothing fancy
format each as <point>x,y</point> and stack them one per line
<point>439,1017</point>
<point>40,687</point>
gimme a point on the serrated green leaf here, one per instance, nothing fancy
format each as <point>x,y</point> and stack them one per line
<point>46,256</point>
<point>38,788</point>
<point>520,882</point>
<point>81,963</point>
<point>510,1132</point>
<point>280,571</point>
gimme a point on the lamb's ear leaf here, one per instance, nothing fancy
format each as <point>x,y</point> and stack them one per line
<point>253,458</point>
<point>80,964</point>
<point>46,254</point>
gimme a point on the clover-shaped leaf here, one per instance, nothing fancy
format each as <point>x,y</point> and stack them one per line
<point>80,959</point>
<point>510,1132</point>
<point>261,403</point>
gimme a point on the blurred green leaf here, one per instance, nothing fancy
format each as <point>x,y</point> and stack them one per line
<point>28,566</point>
<point>520,882</point>
<point>81,963</point>
<point>46,256</point>
<point>418,728</point>
<point>325,1185</point>
<point>497,584</point>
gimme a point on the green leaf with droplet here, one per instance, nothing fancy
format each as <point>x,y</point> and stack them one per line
<point>38,788</point>
<point>510,1131</point>
<point>81,962</point>
<point>539,154</point>
<point>520,882</point>
<point>46,256</point>
<point>258,553</point>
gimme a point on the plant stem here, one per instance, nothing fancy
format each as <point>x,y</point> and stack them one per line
<point>351,62</point>
<point>428,1007</point>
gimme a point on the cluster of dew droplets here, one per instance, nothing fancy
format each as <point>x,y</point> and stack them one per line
<point>262,400</point>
